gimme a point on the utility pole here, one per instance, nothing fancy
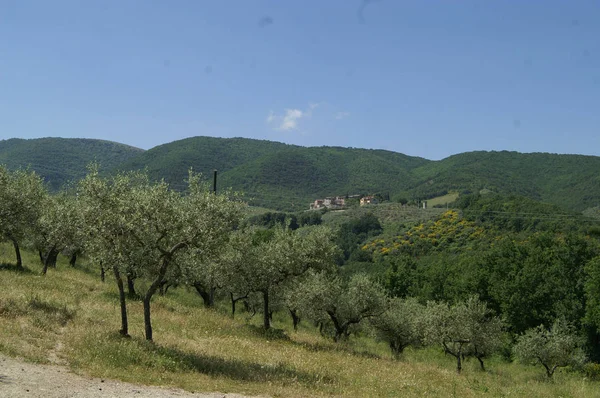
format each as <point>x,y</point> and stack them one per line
<point>215,181</point>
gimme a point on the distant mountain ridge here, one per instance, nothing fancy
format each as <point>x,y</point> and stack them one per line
<point>60,160</point>
<point>282,176</point>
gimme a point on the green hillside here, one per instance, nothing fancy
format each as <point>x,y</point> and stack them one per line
<point>204,154</point>
<point>293,177</point>
<point>569,181</point>
<point>288,177</point>
<point>60,160</point>
<point>277,175</point>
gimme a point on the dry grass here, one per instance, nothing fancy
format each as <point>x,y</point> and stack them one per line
<point>206,350</point>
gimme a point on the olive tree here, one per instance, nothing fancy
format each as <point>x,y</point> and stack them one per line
<point>328,299</point>
<point>21,193</point>
<point>558,346</point>
<point>148,225</point>
<point>231,270</point>
<point>269,261</point>
<point>399,325</point>
<point>59,229</point>
<point>105,205</point>
<point>464,329</point>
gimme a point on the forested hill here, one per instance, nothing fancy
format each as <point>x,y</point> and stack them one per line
<point>289,177</point>
<point>60,160</point>
<point>277,175</point>
<point>569,181</point>
<point>204,154</point>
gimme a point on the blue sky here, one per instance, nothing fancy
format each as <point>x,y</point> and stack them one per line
<point>425,78</point>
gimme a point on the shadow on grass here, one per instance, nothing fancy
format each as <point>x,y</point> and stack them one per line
<point>57,313</point>
<point>13,268</point>
<point>279,334</point>
<point>231,368</point>
<point>95,272</point>
<point>271,334</point>
<point>342,346</point>
<point>113,295</point>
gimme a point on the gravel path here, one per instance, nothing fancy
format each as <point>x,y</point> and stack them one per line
<point>21,379</point>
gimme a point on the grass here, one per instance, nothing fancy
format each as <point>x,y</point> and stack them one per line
<point>442,200</point>
<point>386,212</point>
<point>206,350</point>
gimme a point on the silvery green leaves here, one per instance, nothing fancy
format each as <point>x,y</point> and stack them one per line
<point>142,228</point>
<point>554,347</point>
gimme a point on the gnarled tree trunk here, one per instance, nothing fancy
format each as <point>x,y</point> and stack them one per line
<point>295,318</point>
<point>234,300</point>
<point>124,325</point>
<point>17,253</point>
<point>208,295</point>
<point>131,287</point>
<point>266,319</point>
<point>50,260</point>
<point>73,259</point>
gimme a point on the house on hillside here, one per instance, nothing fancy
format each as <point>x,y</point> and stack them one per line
<point>317,204</point>
<point>368,200</point>
<point>336,202</point>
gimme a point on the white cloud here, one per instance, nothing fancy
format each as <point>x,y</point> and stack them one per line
<point>291,117</point>
<point>341,115</point>
<point>290,120</point>
<point>271,117</point>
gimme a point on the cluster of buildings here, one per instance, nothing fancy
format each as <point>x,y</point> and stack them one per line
<point>338,202</point>
<point>335,202</point>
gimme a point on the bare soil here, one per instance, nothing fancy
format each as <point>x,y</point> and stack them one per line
<point>22,379</point>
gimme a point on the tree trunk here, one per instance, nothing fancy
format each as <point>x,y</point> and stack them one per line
<point>102,273</point>
<point>295,318</point>
<point>50,260</point>
<point>340,328</point>
<point>73,259</point>
<point>211,296</point>
<point>266,320</point>
<point>52,256</point>
<point>17,253</point>
<point>321,329</point>
<point>233,301</point>
<point>147,322</point>
<point>167,287</point>
<point>396,349</point>
<point>458,354</point>
<point>124,325</point>
<point>207,296</point>
<point>154,287</point>
<point>480,359</point>
<point>131,287</point>
<point>549,370</point>
<point>41,257</point>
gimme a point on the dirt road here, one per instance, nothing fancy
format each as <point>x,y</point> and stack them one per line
<point>21,379</point>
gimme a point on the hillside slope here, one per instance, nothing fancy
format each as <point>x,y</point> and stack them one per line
<point>293,177</point>
<point>289,177</point>
<point>278,175</point>
<point>569,181</point>
<point>204,154</point>
<point>60,160</point>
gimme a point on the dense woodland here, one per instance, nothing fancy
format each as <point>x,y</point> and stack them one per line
<point>61,161</point>
<point>493,275</point>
